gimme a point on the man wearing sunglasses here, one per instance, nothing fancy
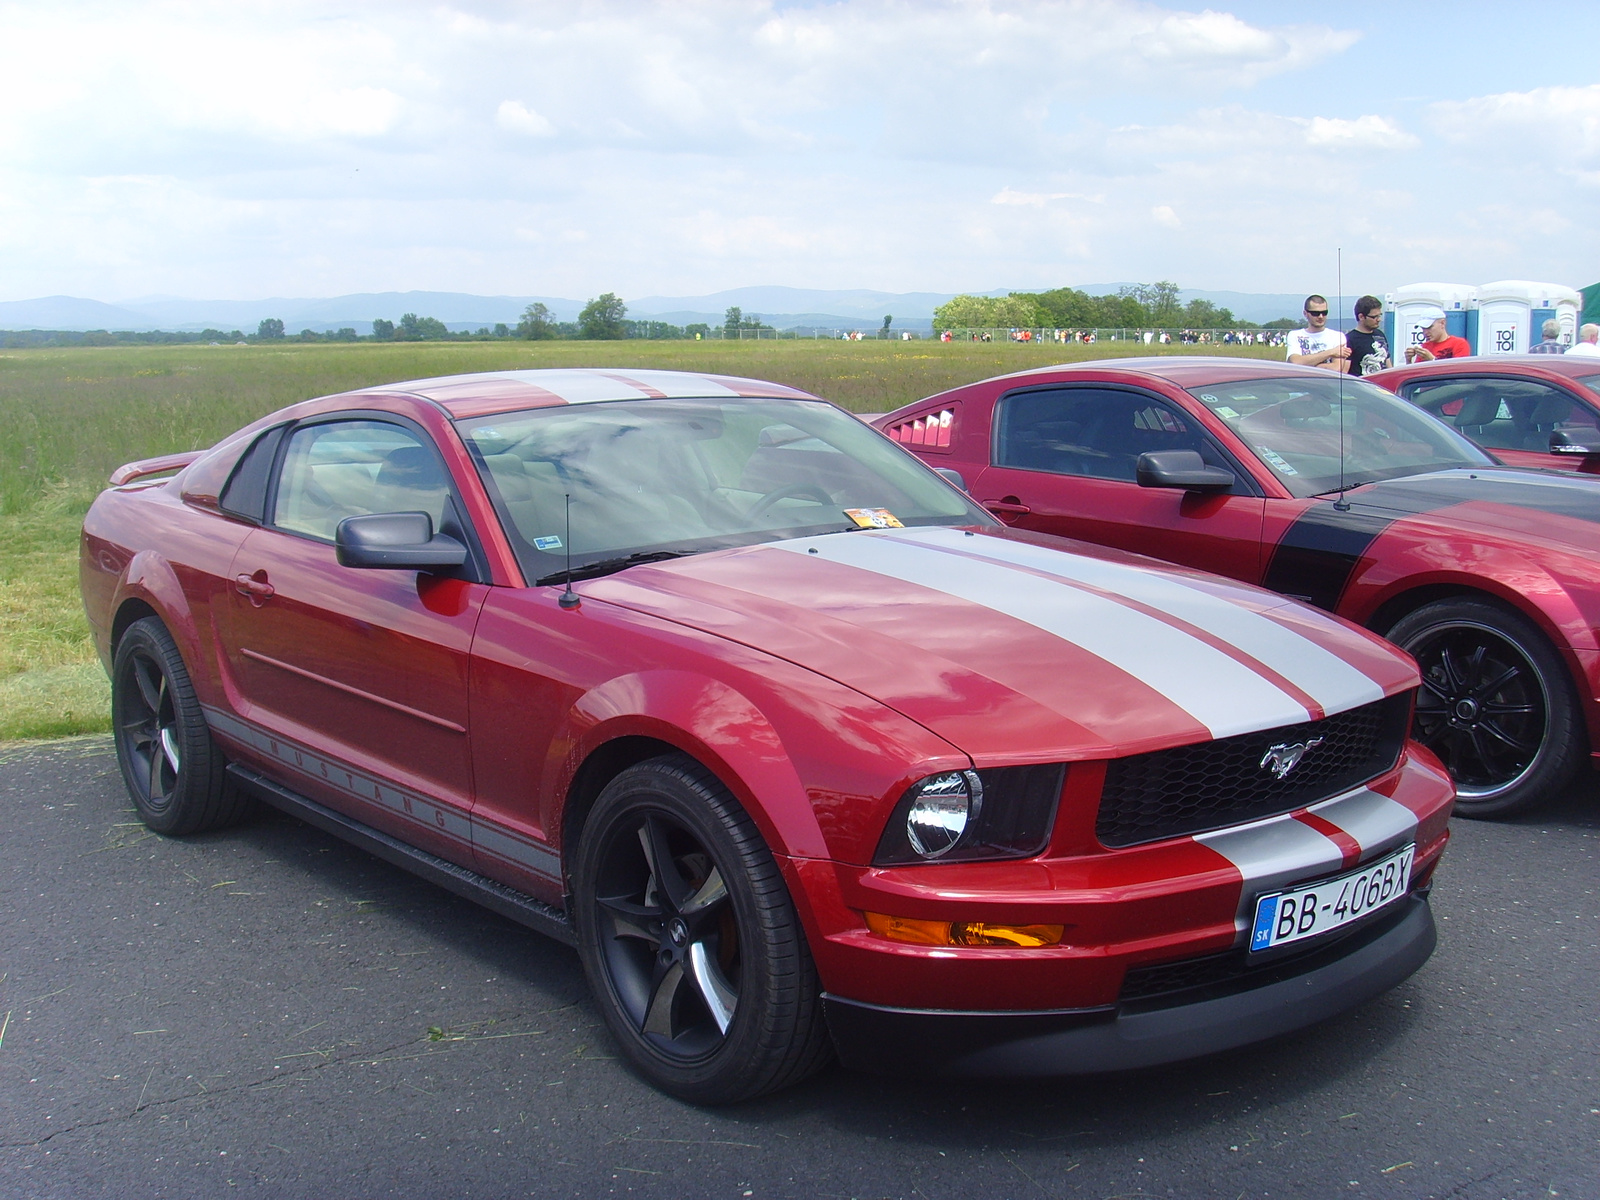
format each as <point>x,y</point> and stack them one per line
<point>1316,345</point>
<point>1369,345</point>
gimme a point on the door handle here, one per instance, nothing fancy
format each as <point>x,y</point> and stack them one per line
<point>255,586</point>
<point>1009,507</point>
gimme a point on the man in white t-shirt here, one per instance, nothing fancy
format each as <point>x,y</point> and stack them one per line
<point>1316,345</point>
<point>1588,343</point>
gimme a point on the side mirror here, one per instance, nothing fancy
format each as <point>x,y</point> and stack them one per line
<point>951,475</point>
<point>1181,469</point>
<point>1562,442</point>
<point>402,541</point>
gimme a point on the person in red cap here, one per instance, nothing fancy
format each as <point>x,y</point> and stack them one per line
<point>1437,342</point>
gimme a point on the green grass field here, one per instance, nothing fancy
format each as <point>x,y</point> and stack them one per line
<point>69,417</point>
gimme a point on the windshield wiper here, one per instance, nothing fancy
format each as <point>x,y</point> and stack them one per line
<point>608,566</point>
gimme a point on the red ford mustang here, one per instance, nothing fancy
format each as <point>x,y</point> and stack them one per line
<point>1535,410</point>
<point>1330,490</point>
<point>798,746</point>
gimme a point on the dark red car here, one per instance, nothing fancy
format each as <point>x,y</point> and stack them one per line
<point>1532,410</point>
<point>798,745</point>
<point>1330,490</point>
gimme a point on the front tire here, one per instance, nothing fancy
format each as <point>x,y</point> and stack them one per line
<point>172,768</point>
<point>1497,704</point>
<point>690,941</point>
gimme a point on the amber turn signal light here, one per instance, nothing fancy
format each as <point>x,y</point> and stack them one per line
<point>961,933</point>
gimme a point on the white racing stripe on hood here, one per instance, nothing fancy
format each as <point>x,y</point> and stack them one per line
<point>676,384</point>
<point>1314,669</point>
<point>1217,690</point>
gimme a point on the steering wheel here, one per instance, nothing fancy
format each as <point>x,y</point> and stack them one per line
<point>788,491</point>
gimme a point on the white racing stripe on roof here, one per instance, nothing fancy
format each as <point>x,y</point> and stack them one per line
<point>577,387</point>
<point>1314,669</point>
<point>1220,692</point>
<point>677,383</point>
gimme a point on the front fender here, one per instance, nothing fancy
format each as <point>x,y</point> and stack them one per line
<point>709,721</point>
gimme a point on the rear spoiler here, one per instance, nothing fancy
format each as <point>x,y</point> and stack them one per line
<point>146,467</point>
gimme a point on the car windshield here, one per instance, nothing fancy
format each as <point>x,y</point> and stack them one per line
<point>654,479</point>
<point>1592,382</point>
<point>1293,425</point>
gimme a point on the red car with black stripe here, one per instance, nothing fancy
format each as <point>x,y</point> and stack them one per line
<point>1330,490</point>
<point>797,745</point>
<point>1531,410</point>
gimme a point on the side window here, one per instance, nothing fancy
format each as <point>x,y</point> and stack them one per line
<point>342,469</point>
<point>1502,414</point>
<point>245,494</point>
<point>1095,432</point>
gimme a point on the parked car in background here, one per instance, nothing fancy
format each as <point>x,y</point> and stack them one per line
<point>1535,410</point>
<point>1331,490</point>
<point>799,747</point>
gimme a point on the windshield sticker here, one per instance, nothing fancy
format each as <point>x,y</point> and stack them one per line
<point>1226,413</point>
<point>874,518</point>
<point>1277,461</point>
<point>547,543</point>
<point>1208,398</point>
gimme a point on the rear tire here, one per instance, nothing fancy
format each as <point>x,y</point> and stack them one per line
<point>1497,704</point>
<point>173,770</point>
<point>690,941</point>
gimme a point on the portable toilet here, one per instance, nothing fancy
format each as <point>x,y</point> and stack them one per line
<point>1512,313</point>
<point>1404,325</point>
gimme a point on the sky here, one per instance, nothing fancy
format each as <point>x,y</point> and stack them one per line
<point>571,148</point>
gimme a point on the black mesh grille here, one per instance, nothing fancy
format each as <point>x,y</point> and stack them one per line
<point>1209,785</point>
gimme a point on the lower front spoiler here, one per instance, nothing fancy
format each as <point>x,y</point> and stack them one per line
<point>1143,1034</point>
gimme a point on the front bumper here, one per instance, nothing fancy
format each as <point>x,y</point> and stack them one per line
<point>1254,1005</point>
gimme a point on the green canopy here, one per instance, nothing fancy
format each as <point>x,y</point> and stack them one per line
<point>1591,304</point>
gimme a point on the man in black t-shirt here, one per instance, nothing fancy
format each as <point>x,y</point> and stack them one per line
<point>1369,346</point>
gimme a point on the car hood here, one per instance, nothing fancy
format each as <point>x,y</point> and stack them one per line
<point>1011,649</point>
<point>1547,507</point>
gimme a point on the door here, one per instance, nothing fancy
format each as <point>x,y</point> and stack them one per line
<point>356,680</point>
<point>1063,463</point>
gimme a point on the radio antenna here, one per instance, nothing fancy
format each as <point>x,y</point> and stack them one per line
<point>1343,501</point>
<point>569,598</point>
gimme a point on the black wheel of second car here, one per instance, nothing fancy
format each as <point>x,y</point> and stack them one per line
<point>690,940</point>
<point>174,772</point>
<point>1496,705</point>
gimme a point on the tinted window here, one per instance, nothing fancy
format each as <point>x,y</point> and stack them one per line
<point>344,469</point>
<point>1503,413</point>
<point>246,492</point>
<point>1317,435</point>
<point>1095,432</point>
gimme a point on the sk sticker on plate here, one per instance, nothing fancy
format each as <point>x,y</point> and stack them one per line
<point>874,518</point>
<point>547,543</point>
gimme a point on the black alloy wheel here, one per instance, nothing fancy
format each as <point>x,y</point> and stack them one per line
<point>1496,705</point>
<point>173,770</point>
<point>690,940</point>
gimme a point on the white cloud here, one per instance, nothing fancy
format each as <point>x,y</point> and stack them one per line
<point>516,117</point>
<point>1164,215</point>
<point>1525,122</point>
<point>1364,133</point>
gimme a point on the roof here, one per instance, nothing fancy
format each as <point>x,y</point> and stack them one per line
<point>487,392</point>
<point>1185,370</point>
<point>1576,367</point>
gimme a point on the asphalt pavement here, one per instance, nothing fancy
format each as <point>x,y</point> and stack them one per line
<point>268,1011</point>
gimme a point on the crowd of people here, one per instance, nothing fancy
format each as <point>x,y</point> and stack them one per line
<point>1366,349</point>
<point>1157,337</point>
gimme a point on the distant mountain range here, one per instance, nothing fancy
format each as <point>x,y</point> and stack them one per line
<point>783,307</point>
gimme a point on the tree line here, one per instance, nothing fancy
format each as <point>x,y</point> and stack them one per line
<point>1136,306</point>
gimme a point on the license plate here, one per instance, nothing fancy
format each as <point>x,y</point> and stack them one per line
<point>1317,908</point>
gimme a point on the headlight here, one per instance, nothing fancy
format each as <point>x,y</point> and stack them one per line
<point>941,807</point>
<point>958,816</point>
